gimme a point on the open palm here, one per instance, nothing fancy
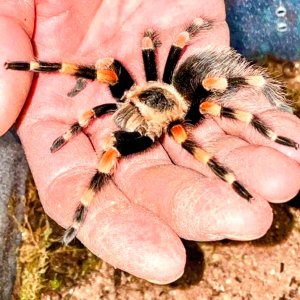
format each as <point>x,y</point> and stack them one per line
<point>158,196</point>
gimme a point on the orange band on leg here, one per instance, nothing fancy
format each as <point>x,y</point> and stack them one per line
<point>182,39</point>
<point>211,108</point>
<point>87,197</point>
<point>215,83</point>
<point>68,68</point>
<point>107,76</point>
<point>108,142</point>
<point>147,43</point>
<point>86,117</point>
<point>179,134</point>
<point>201,155</point>
<point>108,160</point>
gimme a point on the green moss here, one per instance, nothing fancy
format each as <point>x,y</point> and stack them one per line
<point>45,264</point>
<point>55,284</point>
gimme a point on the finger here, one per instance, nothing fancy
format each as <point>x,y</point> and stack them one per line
<point>266,171</point>
<point>21,12</point>
<point>123,234</point>
<point>114,36</point>
<point>262,170</point>
<point>16,27</point>
<point>196,207</point>
<point>72,19</point>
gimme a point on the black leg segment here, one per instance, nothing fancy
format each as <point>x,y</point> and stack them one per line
<point>125,81</point>
<point>18,65</point>
<point>171,63</point>
<point>103,109</point>
<point>149,64</point>
<point>87,72</point>
<point>38,66</point>
<point>131,142</point>
<point>150,42</point>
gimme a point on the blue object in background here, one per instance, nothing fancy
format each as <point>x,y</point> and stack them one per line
<point>261,27</point>
<point>13,174</point>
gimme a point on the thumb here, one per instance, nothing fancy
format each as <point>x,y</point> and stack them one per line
<point>16,29</point>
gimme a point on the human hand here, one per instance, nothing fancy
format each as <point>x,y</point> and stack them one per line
<point>136,222</point>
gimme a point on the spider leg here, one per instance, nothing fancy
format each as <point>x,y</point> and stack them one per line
<point>180,135</point>
<point>121,143</point>
<point>106,70</point>
<point>82,122</point>
<point>180,42</point>
<point>150,42</point>
<point>105,75</point>
<point>217,110</point>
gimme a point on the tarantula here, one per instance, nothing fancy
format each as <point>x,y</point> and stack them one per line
<point>146,112</point>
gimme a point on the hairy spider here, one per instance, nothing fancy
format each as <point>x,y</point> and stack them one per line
<point>201,85</point>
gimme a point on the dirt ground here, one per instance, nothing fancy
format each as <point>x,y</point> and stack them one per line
<point>268,268</point>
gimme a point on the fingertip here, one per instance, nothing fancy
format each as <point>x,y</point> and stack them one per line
<point>248,223</point>
<point>218,212</point>
<point>135,240</point>
<point>267,171</point>
<point>15,45</point>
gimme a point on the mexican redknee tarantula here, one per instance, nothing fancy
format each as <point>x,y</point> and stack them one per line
<point>145,112</point>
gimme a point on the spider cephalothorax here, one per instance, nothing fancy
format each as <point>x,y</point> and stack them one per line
<point>202,85</point>
<point>149,109</point>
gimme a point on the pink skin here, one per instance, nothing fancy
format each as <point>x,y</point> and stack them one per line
<point>136,222</point>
